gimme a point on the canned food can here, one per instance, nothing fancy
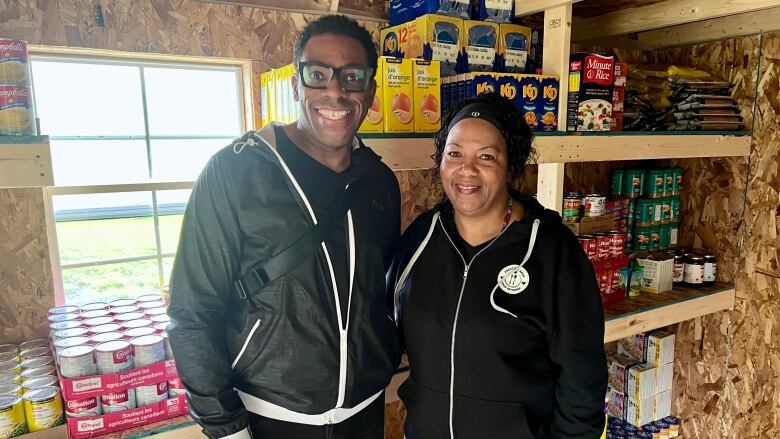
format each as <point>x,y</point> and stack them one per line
<point>616,185</point>
<point>108,327</point>
<point>605,281</point>
<point>71,332</point>
<point>12,419</point>
<point>605,245</point>
<point>139,332</point>
<point>38,372</point>
<point>32,363</point>
<point>65,343</point>
<point>37,343</point>
<point>163,326</point>
<point>633,183</point>
<point>675,208</point>
<point>66,309</point>
<point>14,65</point>
<point>124,309</point>
<point>655,238</point>
<point>58,326</point>
<point>642,238</point>
<point>86,315</point>
<point>666,210</point>
<point>593,205</point>
<point>9,348</point>
<point>77,361</point>
<point>615,285</point>
<point>149,349</point>
<point>679,268</point>
<point>98,321</point>
<point>668,182</point>
<point>149,298</point>
<point>590,245</point>
<point>167,345</point>
<point>126,317</point>
<point>572,204</point>
<point>710,269</point>
<point>121,302</point>
<point>11,389</point>
<point>645,213</point>
<point>162,318</point>
<point>658,211</point>
<point>138,323</point>
<point>693,274</point>
<point>631,212</point>
<point>617,244</point>
<point>175,387</point>
<point>678,180</point>
<point>145,395</point>
<point>94,306</point>
<point>105,337</point>
<point>43,408</point>
<point>34,352</point>
<point>114,356</point>
<point>665,237</point>
<point>10,378</point>
<point>81,408</point>
<point>10,356</point>
<point>54,318</point>
<point>118,401</point>
<point>10,366</point>
<point>673,229</point>
<point>160,304</point>
<point>654,183</point>
<point>39,382</point>
<point>153,312</point>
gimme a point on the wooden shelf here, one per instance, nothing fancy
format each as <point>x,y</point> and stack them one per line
<point>25,161</point>
<point>413,151</point>
<point>651,311</point>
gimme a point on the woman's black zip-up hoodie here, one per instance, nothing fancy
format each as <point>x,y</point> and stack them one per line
<point>495,350</point>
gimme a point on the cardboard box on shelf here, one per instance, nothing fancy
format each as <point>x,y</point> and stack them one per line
<point>639,412</point>
<point>96,385</point>
<point>641,381</point>
<point>662,405</point>
<point>657,276</point>
<point>634,346</point>
<point>665,378</point>
<point>660,348</point>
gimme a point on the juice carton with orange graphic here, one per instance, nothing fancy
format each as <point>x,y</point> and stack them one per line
<point>427,96</point>
<point>397,95</point>
<point>374,123</point>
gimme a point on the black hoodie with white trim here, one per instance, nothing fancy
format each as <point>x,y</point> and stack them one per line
<point>496,350</point>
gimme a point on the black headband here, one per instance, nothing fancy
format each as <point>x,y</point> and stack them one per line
<point>479,110</point>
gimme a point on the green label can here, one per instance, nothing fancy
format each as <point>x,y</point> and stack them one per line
<point>677,183</point>
<point>642,237</point>
<point>633,182</point>
<point>645,213</point>
<point>572,202</point>
<point>673,231</point>
<point>668,182</point>
<point>666,237</point>
<point>630,238</point>
<point>655,238</point>
<point>654,183</point>
<point>631,214</point>
<point>674,203</point>
<point>666,210</point>
<point>616,187</point>
<point>658,211</point>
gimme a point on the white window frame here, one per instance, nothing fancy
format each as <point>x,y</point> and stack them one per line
<point>248,109</point>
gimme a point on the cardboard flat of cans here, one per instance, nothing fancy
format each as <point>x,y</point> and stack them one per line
<point>95,385</point>
<point>88,427</point>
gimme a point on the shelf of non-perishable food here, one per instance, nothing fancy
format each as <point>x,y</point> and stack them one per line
<point>414,151</point>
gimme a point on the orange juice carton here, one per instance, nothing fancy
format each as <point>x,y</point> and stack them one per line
<point>374,121</point>
<point>397,96</point>
<point>427,96</point>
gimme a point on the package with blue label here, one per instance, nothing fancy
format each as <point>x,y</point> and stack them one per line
<point>481,45</point>
<point>499,11</point>
<point>513,46</point>
<point>403,11</point>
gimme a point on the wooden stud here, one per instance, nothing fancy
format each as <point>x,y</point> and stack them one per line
<point>527,7</point>
<point>666,13</point>
<point>549,186</point>
<point>27,163</point>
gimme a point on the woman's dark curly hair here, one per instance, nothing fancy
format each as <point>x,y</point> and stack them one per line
<point>516,133</point>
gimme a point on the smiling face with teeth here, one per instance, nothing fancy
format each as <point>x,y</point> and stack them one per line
<point>330,117</point>
<point>474,170</point>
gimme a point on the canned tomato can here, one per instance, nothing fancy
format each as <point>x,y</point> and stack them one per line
<point>633,182</point>
<point>163,326</point>
<point>124,309</point>
<point>10,378</point>
<point>604,245</point>
<point>94,306</point>
<point>10,366</point>
<point>139,332</point>
<point>43,408</point>
<point>654,183</point>
<point>605,281</point>
<point>152,312</point>
<point>590,245</point>
<point>37,343</point>
<point>12,419</point>
<point>71,332</point>
<point>572,204</point>
<point>678,180</point>
<point>674,202</point>
<point>126,317</point>
<point>11,389</point>
<point>645,213</point>
<point>642,238</point>
<point>58,326</point>
<point>108,327</point>
<point>710,268</point>
<point>162,318</point>
<point>160,304</point>
<point>32,363</point>
<point>593,205</point>
<point>149,298</point>
<point>66,309</point>
<point>9,356</point>
<point>40,382</point>
<point>666,210</point>
<point>175,387</point>
<point>86,315</point>
<point>114,356</point>
<point>81,408</point>
<point>104,337</point>
<point>118,401</point>
<point>34,352</point>
<point>121,302</point>
<point>149,349</point>
<point>77,361</point>
<point>145,395</point>
<point>668,182</point>
<point>617,244</point>
<point>616,182</point>
<point>98,321</point>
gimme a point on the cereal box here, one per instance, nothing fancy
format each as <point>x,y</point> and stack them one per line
<point>660,348</point>
<point>665,378</point>
<point>617,369</point>
<point>481,45</point>
<point>373,123</point>
<point>440,38</point>
<point>397,95</point>
<point>634,346</point>
<point>547,108</point>
<point>427,96</point>
<point>639,412</point>
<point>16,111</point>
<point>615,402</point>
<point>590,92</point>
<point>14,62</point>
<point>641,381</point>
<point>513,46</point>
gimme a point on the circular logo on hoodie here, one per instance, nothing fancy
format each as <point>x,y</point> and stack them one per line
<point>513,279</point>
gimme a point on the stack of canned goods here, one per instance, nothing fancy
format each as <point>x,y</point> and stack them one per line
<point>30,399</point>
<point>17,116</point>
<point>654,211</point>
<point>605,251</point>
<point>668,427</point>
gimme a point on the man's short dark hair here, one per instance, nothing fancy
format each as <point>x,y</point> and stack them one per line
<point>336,25</point>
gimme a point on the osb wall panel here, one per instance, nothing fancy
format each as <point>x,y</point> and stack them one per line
<point>26,288</point>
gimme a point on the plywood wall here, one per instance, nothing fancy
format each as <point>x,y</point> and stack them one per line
<point>26,288</point>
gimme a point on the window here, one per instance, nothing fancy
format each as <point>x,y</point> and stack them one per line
<point>127,141</point>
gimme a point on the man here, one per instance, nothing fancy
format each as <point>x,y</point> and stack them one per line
<point>305,354</point>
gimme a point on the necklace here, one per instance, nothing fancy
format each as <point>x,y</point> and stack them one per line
<point>508,214</point>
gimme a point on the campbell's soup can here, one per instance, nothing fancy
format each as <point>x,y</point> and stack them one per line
<point>114,356</point>
<point>43,408</point>
<point>145,395</point>
<point>94,306</point>
<point>37,343</point>
<point>16,111</point>
<point>139,332</point>
<point>12,420</point>
<point>86,315</point>
<point>617,244</point>
<point>118,401</point>
<point>148,349</point>
<point>79,408</point>
<point>14,63</point>
<point>105,337</point>
<point>175,387</point>
<point>98,321</point>
<point>77,361</point>
<point>40,382</point>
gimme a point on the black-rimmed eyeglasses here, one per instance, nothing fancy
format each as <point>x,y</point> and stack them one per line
<point>352,78</point>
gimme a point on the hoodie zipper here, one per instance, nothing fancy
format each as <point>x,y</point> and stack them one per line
<point>466,267</point>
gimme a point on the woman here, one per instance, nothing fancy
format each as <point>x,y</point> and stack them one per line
<point>498,304</point>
